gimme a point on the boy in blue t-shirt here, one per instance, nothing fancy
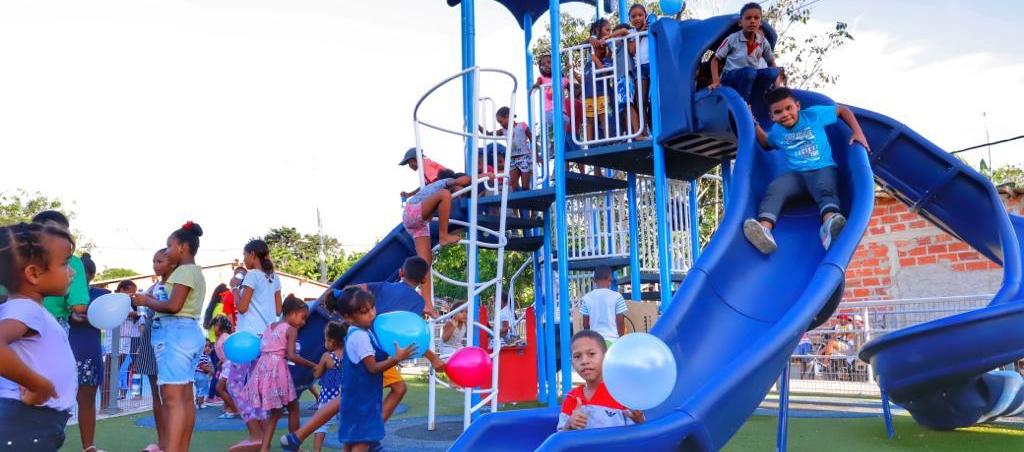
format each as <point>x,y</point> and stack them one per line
<point>749,63</point>
<point>800,135</point>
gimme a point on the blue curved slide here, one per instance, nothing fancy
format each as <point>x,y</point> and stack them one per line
<point>739,314</point>
<point>940,370</point>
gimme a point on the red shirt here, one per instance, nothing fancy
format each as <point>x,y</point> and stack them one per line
<point>430,170</point>
<point>227,302</point>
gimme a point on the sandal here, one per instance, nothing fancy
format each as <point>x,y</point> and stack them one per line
<point>92,449</point>
<point>246,446</point>
<point>152,448</point>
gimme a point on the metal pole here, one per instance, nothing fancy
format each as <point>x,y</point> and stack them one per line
<point>623,12</point>
<point>783,409</point>
<point>634,238</point>
<point>890,429</point>
<point>549,313</point>
<point>726,183</point>
<point>691,200</point>
<point>562,237</point>
<point>539,341</point>
<point>468,61</point>
<point>470,120</point>
<point>660,184</point>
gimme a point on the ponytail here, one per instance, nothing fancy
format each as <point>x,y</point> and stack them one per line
<point>260,249</point>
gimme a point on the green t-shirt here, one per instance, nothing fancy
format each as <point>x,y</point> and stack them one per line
<point>217,310</point>
<point>78,293</point>
<point>191,276</point>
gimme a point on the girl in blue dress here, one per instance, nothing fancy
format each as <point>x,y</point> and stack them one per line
<point>362,373</point>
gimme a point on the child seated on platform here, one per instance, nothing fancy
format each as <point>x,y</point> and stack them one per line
<point>749,61</point>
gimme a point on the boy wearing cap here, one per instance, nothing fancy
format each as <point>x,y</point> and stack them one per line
<point>430,167</point>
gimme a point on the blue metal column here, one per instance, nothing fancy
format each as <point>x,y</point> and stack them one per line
<point>468,61</point>
<point>890,429</point>
<point>691,201</point>
<point>563,237</point>
<point>634,237</point>
<point>660,184</point>
<point>549,314</point>
<point>726,182</point>
<point>623,12</point>
<point>783,432</point>
<point>538,291</point>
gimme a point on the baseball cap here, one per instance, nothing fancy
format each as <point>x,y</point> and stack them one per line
<point>409,155</point>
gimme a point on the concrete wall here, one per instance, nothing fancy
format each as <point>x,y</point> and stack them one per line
<point>904,256</point>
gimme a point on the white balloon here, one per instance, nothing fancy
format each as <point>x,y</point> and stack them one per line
<point>108,311</point>
<point>639,371</point>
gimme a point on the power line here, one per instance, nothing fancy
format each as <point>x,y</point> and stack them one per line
<point>988,144</point>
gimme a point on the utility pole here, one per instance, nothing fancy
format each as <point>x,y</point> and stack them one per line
<point>984,121</point>
<point>323,255</point>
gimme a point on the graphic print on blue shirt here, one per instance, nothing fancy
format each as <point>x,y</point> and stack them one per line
<point>805,145</point>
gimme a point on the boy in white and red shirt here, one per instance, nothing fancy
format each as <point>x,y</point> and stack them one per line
<point>590,405</point>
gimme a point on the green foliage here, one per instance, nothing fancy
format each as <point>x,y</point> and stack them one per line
<point>21,206</point>
<point>576,30</point>
<point>803,54</point>
<point>1007,174</point>
<point>115,273</point>
<point>451,262</point>
<point>299,254</point>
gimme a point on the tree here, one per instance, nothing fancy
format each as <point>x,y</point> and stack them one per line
<point>451,261</point>
<point>115,273</point>
<point>21,206</point>
<point>1006,175</point>
<point>299,254</point>
<point>801,51</point>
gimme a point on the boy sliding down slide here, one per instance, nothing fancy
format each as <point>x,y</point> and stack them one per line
<point>800,135</point>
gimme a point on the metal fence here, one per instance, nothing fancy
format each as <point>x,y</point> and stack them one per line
<point>826,362</point>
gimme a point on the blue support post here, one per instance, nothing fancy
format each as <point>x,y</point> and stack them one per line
<point>890,429</point>
<point>634,238</point>
<point>468,61</point>
<point>691,201</point>
<point>783,432</point>
<point>539,342</point>
<point>726,182</point>
<point>562,234</point>
<point>660,183</point>
<point>549,314</point>
<point>623,12</point>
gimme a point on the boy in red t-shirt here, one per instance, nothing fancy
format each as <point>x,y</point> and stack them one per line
<point>590,405</point>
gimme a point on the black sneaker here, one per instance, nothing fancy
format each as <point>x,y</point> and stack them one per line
<point>831,229</point>
<point>759,236</point>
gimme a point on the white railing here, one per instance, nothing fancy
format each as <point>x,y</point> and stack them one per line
<point>602,86</point>
<point>486,107</point>
<point>829,365</point>
<point>543,138</point>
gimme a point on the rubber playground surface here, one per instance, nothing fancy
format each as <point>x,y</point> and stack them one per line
<point>809,430</point>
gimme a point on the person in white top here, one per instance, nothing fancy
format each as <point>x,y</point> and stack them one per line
<point>603,309</point>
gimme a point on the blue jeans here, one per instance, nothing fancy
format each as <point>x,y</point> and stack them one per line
<point>750,82</point>
<point>36,428</point>
<point>202,384</point>
<point>820,183</point>
<point>177,343</point>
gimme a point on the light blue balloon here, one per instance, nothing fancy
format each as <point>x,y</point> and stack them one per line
<point>639,371</point>
<point>242,347</point>
<point>402,327</point>
<point>109,310</point>
<point>672,7</point>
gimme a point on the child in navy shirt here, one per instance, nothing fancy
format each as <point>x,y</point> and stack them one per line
<point>800,135</point>
<point>748,58</point>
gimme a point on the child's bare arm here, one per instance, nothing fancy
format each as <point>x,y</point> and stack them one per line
<point>857,135</point>
<point>322,366</point>
<point>38,389</point>
<point>762,136</point>
<point>291,335</point>
<point>715,78</point>
<point>402,354</point>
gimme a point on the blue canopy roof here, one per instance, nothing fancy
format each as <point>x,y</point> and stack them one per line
<point>535,8</point>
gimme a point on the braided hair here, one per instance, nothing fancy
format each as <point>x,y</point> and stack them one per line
<point>21,245</point>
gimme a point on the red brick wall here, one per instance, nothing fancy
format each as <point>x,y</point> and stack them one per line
<point>898,239</point>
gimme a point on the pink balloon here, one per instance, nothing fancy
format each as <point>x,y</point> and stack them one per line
<point>469,367</point>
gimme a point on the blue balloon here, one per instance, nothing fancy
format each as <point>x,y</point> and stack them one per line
<point>242,347</point>
<point>672,7</point>
<point>402,327</point>
<point>639,371</point>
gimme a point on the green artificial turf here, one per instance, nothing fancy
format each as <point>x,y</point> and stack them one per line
<point>758,434</point>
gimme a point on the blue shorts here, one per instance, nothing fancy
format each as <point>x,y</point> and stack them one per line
<point>24,427</point>
<point>177,343</point>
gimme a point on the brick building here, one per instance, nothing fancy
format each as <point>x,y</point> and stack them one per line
<point>903,256</point>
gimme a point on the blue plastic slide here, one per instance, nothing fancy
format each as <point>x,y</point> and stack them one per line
<point>939,370</point>
<point>738,315</point>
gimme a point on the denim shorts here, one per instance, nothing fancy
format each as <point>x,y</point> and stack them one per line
<point>327,425</point>
<point>30,428</point>
<point>177,344</point>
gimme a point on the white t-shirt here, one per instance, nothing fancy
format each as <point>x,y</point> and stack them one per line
<point>358,345</point>
<point>262,308</point>
<point>47,352</point>
<point>602,305</point>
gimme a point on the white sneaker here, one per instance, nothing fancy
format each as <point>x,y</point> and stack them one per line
<point>831,229</point>
<point>759,236</point>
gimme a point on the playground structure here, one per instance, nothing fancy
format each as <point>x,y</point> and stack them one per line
<point>731,315</point>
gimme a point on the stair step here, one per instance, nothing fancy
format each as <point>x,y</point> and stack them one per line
<point>525,244</point>
<point>491,222</point>
<point>652,278</point>
<point>646,296</point>
<point>541,199</point>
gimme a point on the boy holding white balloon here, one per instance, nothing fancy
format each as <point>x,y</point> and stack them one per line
<point>591,405</point>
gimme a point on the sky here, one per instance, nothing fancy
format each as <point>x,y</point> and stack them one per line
<point>244,115</point>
